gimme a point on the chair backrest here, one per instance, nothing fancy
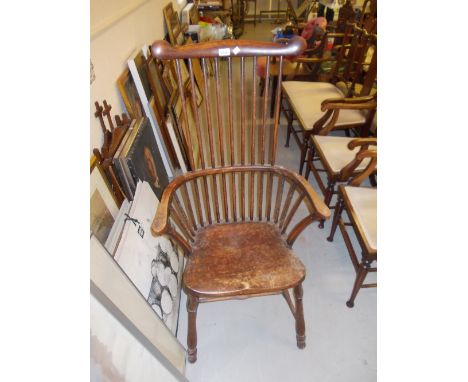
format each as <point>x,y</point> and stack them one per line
<point>231,126</point>
<point>368,17</point>
<point>356,62</point>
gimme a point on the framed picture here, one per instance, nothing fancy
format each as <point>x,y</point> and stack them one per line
<point>103,204</point>
<point>141,159</point>
<point>185,127</point>
<point>125,331</point>
<point>160,92</point>
<point>153,264</point>
<point>169,77</point>
<point>129,94</point>
<point>136,65</point>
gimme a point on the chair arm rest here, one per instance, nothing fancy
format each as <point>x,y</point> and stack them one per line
<point>160,223</point>
<point>355,103</point>
<point>362,142</point>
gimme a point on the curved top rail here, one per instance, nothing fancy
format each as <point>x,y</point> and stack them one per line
<point>225,48</point>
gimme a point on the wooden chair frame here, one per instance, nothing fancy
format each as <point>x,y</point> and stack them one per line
<point>369,255</point>
<point>347,70</point>
<point>315,154</point>
<point>230,190</point>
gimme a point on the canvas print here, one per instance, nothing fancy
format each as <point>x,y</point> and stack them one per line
<point>153,264</point>
<point>129,94</point>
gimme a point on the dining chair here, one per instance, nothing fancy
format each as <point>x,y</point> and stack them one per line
<point>237,214</point>
<point>360,205</point>
<point>317,106</point>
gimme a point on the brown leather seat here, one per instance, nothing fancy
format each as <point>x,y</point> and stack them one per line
<point>229,259</point>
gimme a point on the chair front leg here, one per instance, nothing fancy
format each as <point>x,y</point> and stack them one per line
<point>328,197</point>
<point>336,217</point>
<point>192,306</point>
<point>300,323</point>
<point>361,275</point>
<point>304,148</point>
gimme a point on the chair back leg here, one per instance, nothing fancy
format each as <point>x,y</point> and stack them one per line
<point>361,275</point>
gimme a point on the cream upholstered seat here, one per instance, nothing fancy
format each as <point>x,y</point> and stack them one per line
<point>305,98</point>
<point>335,153</point>
<point>363,201</point>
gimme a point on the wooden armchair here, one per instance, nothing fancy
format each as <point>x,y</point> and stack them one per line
<point>320,107</point>
<point>360,204</point>
<point>238,214</point>
<point>340,159</point>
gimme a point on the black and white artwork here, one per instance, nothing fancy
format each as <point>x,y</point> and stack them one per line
<point>164,296</point>
<point>153,264</point>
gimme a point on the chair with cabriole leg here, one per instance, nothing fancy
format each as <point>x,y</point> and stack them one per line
<point>360,205</point>
<point>237,214</point>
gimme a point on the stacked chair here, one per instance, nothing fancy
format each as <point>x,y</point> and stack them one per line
<point>237,214</point>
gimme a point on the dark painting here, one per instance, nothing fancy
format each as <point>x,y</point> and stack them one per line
<point>145,160</point>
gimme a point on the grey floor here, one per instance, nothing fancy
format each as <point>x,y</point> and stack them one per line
<point>254,339</point>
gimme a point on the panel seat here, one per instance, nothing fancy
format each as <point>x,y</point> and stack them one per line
<point>241,259</point>
<point>335,154</point>
<point>306,99</point>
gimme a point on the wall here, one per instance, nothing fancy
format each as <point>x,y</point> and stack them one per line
<point>111,47</point>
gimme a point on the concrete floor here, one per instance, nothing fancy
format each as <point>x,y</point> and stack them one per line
<point>254,339</point>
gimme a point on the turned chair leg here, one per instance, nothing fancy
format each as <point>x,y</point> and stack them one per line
<point>361,275</point>
<point>336,217</point>
<point>300,323</point>
<point>192,305</point>
<point>327,199</point>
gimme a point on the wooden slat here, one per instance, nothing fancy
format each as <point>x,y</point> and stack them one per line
<point>242,195</point>
<point>260,195</point>
<point>178,221</point>
<point>230,114</point>
<point>185,114</point>
<point>287,203</point>
<point>188,207</point>
<point>242,114</point>
<point>197,198</point>
<point>183,216</point>
<point>279,197</point>
<point>208,113</point>
<point>221,141</point>
<point>197,116</point>
<point>261,134</point>
<point>274,136</point>
<point>296,204</point>
<point>254,112</point>
<point>251,194</point>
<point>268,196</point>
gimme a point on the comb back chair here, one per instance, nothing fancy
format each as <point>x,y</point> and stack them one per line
<point>237,214</point>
